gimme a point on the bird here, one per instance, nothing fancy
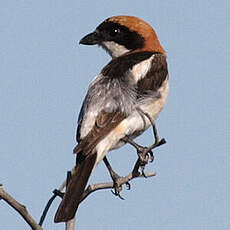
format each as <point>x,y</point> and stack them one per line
<point>135,79</point>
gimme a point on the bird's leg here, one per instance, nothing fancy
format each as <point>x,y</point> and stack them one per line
<point>158,141</point>
<point>149,149</point>
<point>145,154</point>
<point>155,133</point>
<point>117,180</point>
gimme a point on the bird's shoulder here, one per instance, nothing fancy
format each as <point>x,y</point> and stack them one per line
<point>155,76</point>
<point>117,67</point>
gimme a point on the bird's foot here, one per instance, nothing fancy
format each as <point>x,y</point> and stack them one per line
<point>117,184</point>
<point>145,154</point>
<point>117,180</point>
<point>144,157</point>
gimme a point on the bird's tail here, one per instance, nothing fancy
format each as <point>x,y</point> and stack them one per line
<point>69,204</point>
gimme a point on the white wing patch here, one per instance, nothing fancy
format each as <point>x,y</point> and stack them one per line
<point>140,70</point>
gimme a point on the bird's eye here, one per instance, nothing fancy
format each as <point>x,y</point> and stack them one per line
<point>114,32</point>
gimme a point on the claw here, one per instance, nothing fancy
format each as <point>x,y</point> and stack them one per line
<point>117,194</point>
<point>145,158</point>
<point>117,185</point>
<point>143,171</point>
<point>151,158</point>
<point>128,186</point>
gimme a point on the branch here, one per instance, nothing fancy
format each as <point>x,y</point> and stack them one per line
<point>145,155</point>
<point>92,188</point>
<point>70,225</point>
<point>21,209</point>
<point>122,180</point>
<point>56,192</point>
<point>143,159</point>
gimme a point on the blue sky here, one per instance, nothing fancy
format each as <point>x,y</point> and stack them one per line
<point>44,77</point>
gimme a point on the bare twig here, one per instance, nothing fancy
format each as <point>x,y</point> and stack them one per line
<point>108,185</point>
<point>56,192</point>
<point>21,209</point>
<point>50,201</point>
<point>70,225</point>
<point>143,152</point>
<point>92,188</point>
<point>122,180</point>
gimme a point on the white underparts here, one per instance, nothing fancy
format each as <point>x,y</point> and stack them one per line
<point>114,49</point>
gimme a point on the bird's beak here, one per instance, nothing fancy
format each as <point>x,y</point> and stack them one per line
<point>91,39</point>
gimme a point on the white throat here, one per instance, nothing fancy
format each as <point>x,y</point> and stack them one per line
<point>114,49</point>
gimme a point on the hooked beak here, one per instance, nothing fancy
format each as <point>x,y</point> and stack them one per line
<point>91,39</point>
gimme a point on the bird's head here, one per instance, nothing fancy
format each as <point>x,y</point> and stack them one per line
<point>122,34</point>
